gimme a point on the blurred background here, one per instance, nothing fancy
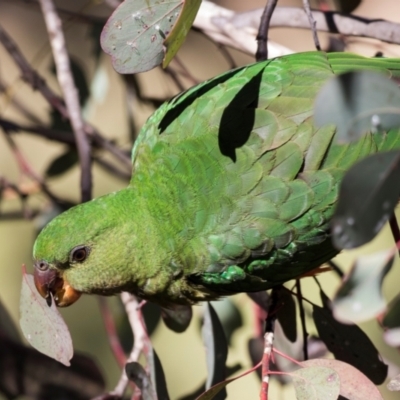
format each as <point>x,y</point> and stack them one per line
<point>118,115</point>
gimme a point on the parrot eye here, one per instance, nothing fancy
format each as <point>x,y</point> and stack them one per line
<point>79,254</point>
<point>42,265</point>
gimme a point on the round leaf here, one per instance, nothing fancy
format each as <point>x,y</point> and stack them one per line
<point>368,195</point>
<point>357,102</point>
<point>360,296</point>
<point>140,33</point>
<point>316,383</point>
<point>354,384</point>
<point>43,326</point>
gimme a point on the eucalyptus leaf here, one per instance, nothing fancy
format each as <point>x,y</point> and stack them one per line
<point>349,343</point>
<point>43,326</point>
<point>157,375</point>
<point>354,385</point>
<point>141,34</point>
<point>229,316</point>
<point>139,377</point>
<point>360,296</point>
<point>216,348</point>
<point>177,318</point>
<point>358,102</point>
<point>316,383</point>
<point>62,163</point>
<point>394,384</point>
<point>391,322</point>
<point>286,314</point>
<point>368,195</point>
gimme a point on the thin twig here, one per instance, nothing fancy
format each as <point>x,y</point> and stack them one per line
<point>70,92</point>
<point>302,318</point>
<point>26,169</point>
<point>336,268</point>
<point>141,340</point>
<point>307,9</point>
<point>262,36</point>
<point>111,330</point>
<point>33,78</point>
<point>268,343</point>
<point>238,30</point>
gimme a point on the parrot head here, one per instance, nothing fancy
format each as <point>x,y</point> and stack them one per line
<point>80,251</point>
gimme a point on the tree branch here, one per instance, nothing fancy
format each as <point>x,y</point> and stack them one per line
<point>239,30</point>
<point>70,92</point>
<point>263,29</point>
<point>32,77</point>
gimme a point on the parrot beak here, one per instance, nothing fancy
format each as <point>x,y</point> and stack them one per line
<point>51,281</point>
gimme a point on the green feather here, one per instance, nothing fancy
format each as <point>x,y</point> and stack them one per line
<point>232,189</point>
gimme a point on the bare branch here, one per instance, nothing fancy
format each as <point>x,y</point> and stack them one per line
<point>262,35</point>
<point>215,22</point>
<point>239,30</point>
<point>32,77</point>
<point>313,24</point>
<point>70,92</point>
<point>141,342</point>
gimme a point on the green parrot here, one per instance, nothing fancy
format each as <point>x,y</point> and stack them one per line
<point>232,190</point>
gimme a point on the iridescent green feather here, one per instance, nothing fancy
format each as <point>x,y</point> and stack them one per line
<point>265,211</point>
<point>232,189</point>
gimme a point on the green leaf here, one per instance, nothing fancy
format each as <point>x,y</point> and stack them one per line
<point>157,375</point>
<point>349,343</point>
<point>316,383</point>
<point>357,102</point>
<point>139,377</point>
<point>286,314</point>
<point>43,326</point>
<point>354,385</point>
<point>177,318</point>
<point>360,296</point>
<point>216,348</point>
<point>368,195</point>
<point>180,30</point>
<point>394,384</point>
<point>62,163</point>
<point>136,36</point>
<point>229,316</point>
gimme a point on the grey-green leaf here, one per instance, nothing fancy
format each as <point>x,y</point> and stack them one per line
<point>135,34</point>
<point>354,384</point>
<point>368,195</point>
<point>138,375</point>
<point>349,343</point>
<point>391,322</point>
<point>316,383</point>
<point>216,349</point>
<point>394,384</point>
<point>43,326</point>
<point>357,102</point>
<point>360,296</point>
<point>177,318</point>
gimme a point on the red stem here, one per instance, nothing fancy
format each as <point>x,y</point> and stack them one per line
<point>112,334</point>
